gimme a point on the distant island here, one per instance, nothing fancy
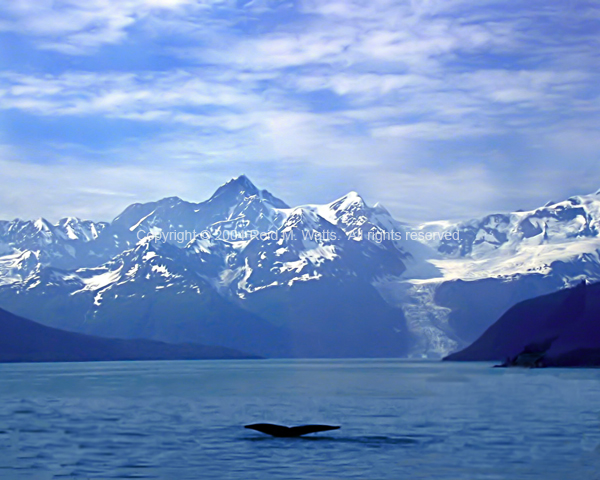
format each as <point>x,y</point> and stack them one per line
<point>23,340</point>
<point>561,329</point>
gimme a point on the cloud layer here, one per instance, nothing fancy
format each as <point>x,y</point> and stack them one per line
<point>435,108</point>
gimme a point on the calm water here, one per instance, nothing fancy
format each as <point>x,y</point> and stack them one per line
<point>400,419</point>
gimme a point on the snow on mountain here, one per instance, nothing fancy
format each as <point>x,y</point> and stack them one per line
<point>240,188</point>
<point>39,233</point>
<point>338,240</point>
<point>521,243</point>
<point>154,290</point>
<point>310,268</point>
<point>75,229</point>
<point>236,207</point>
<point>15,267</point>
<point>151,264</point>
<point>298,251</point>
<point>69,243</point>
<point>360,222</point>
<point>149,261</point>
<point>453,293</point>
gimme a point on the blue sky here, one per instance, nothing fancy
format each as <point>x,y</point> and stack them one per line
<point>435,108</point>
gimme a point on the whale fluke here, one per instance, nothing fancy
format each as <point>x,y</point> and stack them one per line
<point>282,431</point>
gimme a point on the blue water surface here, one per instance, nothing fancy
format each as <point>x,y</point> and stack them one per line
<point>400,420</point>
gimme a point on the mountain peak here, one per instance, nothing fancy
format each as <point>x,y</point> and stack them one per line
<point>301,217</point>
<point>42,224</point>
<point>72,221</point>
<point>379,208</point>
<point>236,186</point>
<point>169,202</point>
<point>173,199</point>
<point>351,198</point>
<point>244,183</point>
<point>242,179</point>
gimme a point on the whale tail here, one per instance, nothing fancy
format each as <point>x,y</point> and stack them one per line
<point>282,431</point>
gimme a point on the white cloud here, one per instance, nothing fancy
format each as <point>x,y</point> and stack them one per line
<point>166,97</point>
<point>75,27</point>
<point>429,130</point>
<point>384,91</point>
<point>75,187</point>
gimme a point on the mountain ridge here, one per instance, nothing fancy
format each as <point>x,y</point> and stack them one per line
<point>440,294</point>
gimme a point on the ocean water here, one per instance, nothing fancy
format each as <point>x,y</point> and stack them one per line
<point>400,420</point>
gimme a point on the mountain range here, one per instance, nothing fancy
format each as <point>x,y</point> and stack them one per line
<point>246,271</point>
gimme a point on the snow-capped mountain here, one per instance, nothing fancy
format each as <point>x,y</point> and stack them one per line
<point>498,261</point>
<point>25,245</point>
<point>236,207</point>
<point>258,275</point>
<point>154,290</point>
<point>575,221</point>
<point>313,243</point>
<point>244,270</point>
